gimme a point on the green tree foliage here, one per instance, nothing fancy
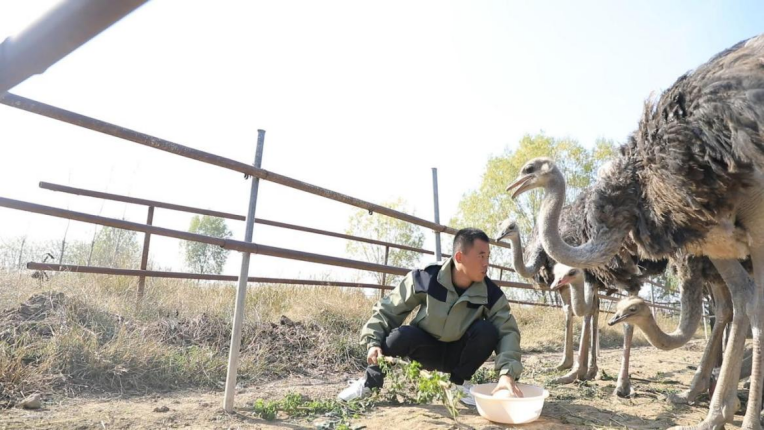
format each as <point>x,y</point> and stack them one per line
<point>488,205</point>
<point>381,227</point>
<point>202,257</point>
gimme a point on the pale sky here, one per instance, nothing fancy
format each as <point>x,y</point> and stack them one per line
<point>363,98</point>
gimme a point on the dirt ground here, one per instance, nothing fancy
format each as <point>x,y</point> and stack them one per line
<point>584,405</point>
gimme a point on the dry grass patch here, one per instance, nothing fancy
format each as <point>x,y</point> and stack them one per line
<point>85,333</point>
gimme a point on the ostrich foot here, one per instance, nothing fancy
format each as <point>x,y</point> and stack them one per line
<point>717,417</point>
<point>623,388</point>
<point>591,374</point>
<point>564,365</point>
<point>557,368</point>
<point>570,377</point>
<point>688,396</point>
<point>716,424</point>
<point>684,398</point>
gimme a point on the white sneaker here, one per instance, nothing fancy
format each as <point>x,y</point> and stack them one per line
<point>356,390</point>
<point>467,398</point>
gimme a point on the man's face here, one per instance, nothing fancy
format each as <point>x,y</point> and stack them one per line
<point>474,260</point>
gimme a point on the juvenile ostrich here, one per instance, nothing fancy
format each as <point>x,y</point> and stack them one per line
<point>585,303</point>
<point>624,272</point>
<point>509,230</point>
<point>690,179</point>
<point>635,311</point>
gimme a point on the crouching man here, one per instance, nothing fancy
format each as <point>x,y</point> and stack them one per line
<point>463,317</point>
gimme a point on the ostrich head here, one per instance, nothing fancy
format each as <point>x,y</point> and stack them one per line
<point>536,173</point>
<point>630,309</point>
<point>507,229</point>
<point>566,275</point>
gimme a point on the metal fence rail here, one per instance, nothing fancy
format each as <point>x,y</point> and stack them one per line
<point>398,271</point>
<point>64,115</point>
<point>138,201</point>
<point>189,209</point>
<point>64,28</point>
<point>195,276</point>
<point>263,280</point>
<point>234,245</point>
<point>227,278</point>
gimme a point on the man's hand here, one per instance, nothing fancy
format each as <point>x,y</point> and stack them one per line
<point>375,353</point>
<point>506,382</point>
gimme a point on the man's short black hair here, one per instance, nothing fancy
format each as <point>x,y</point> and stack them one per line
<point>466,237</point>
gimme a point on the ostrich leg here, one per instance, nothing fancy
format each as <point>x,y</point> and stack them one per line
<point>723,403</point>
<point>591,373</point>
<point>623,386</point>
<point>756,314</point>
<point>745,368</point>
<point>579,368</point>
<point>567,345</point>
<point>702,379</point>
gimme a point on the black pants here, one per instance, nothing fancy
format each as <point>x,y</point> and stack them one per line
<point>461,358</point>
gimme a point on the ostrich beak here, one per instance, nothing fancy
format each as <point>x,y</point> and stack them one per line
<point>505,227</point>
<point>616,319</point>
<point>521,184</point>
<point>502,235</point>
<point>557,284</point>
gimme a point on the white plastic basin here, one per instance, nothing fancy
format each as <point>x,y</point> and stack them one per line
<point>516,410</point>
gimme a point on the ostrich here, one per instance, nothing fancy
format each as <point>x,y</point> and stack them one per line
<point>690,317</point>
<point>691,310</point>
<point>635,311</point>
<point>624,272</point>
<point>585,304</point>
<point>578,299</point>
<point>690,179</point>
<point>509,230</point>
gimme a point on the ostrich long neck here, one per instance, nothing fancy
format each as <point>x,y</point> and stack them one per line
<point>689,319</point>
<point>581,298</point>
<point>593,253</point>
<point>517,259</point>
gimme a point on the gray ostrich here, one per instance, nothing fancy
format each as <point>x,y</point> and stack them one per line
<point>625,272</point>
<point>689,180</point>
<point>510,231</point>
<point>691,311</point>
<point>636,311</point>
<point>541,268</point>
<point>585,303</point>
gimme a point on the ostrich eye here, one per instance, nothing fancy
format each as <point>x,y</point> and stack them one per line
<point>633,309</point>
<point>572,273</point>
<point>528,169</point>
